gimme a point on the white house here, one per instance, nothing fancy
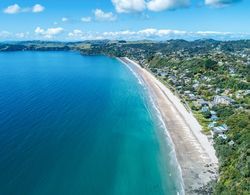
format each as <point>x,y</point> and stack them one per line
<point>222,100</point>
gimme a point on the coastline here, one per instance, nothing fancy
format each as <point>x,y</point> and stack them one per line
<point>195,154</point>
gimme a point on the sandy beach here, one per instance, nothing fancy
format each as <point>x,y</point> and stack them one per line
<point>194,151</point>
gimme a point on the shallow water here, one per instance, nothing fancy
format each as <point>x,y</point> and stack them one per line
<point>72,124</point>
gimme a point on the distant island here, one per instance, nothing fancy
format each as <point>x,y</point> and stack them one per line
<point>212,79</point>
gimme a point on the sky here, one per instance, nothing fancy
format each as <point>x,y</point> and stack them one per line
<point>74,20</point>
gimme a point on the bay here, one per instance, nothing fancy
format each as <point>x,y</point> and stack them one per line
<point>73,124</point>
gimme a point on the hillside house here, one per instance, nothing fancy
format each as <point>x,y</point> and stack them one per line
<point>222,100</point>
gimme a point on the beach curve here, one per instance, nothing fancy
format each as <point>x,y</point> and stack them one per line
<point>194,152</point>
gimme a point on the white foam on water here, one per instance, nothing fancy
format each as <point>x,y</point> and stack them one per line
<point>173,157</point>
<point>162,125</point>
<point>133,72</point>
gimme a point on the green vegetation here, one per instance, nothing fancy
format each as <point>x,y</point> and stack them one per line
<point>212,78</point>
<point>235,159</point>
<point>203,122</point>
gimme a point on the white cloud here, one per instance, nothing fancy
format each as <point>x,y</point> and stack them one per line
<point>104,16</point>
<point>12,9</point>
<point>22,35</point>
<point>75,34</point>
<point>220,3</point>
<point>160,5</point>
<point>64,19</point>
<point>149,34</point>
<point>48,33</point>
<point>15,8</point>
<point>80,35</point>
<point>125,6</point>
<point>39,30</point>
<point>86,19</point>
<point>154,34</point>
<point>5,34</point>
<point>37,8</point>
<point>206,33</point>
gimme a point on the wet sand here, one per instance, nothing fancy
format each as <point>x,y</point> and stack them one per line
<point>194,151</point>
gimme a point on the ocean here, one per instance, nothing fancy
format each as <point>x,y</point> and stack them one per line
<point>80,125</point>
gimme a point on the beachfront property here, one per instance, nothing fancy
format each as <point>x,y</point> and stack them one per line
<point>223,136</point>
<point>214,117</point>
<point>220,129</point>
<point>212,124</point>
<point>201,103</point>
<point>231,143</point>
<point>222,100</point>
<point>205,109</point>
<point>212,112</point>
<point>192,96</point>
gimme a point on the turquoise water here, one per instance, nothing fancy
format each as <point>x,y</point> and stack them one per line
<point>71,124</point>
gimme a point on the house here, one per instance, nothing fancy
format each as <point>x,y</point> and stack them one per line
<point>226,92</point>
<point>223,136</point>
<point>178,87</point>
<point>202,102</point>
<point>187,80</point>
<point>187,92</point>
<point>239,95</point>
<point>217,90</point>
<point>204,109</point>
<point>196,85</point>
<point>212,112</point>
<point>204,78</point>
<point>163,74</point>
<point>231,70</point>
<point>173,79</point>
<point>231,143</point>
<point>222,100</point>
<point>220,63</point>
<point>212,124</point>
<point>220,129</point>
<point>225,126</point>
<point>214,117</point>
<point>192,96</point>
<point>247,92</point>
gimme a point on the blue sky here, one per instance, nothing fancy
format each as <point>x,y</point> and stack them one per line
<point>124,19</point>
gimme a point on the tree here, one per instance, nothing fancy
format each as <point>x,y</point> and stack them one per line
<point>210,64</point>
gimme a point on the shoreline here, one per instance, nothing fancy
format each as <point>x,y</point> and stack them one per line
<point>195,153</point>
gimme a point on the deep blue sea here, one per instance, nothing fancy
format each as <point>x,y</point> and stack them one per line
<point>79,125</point>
